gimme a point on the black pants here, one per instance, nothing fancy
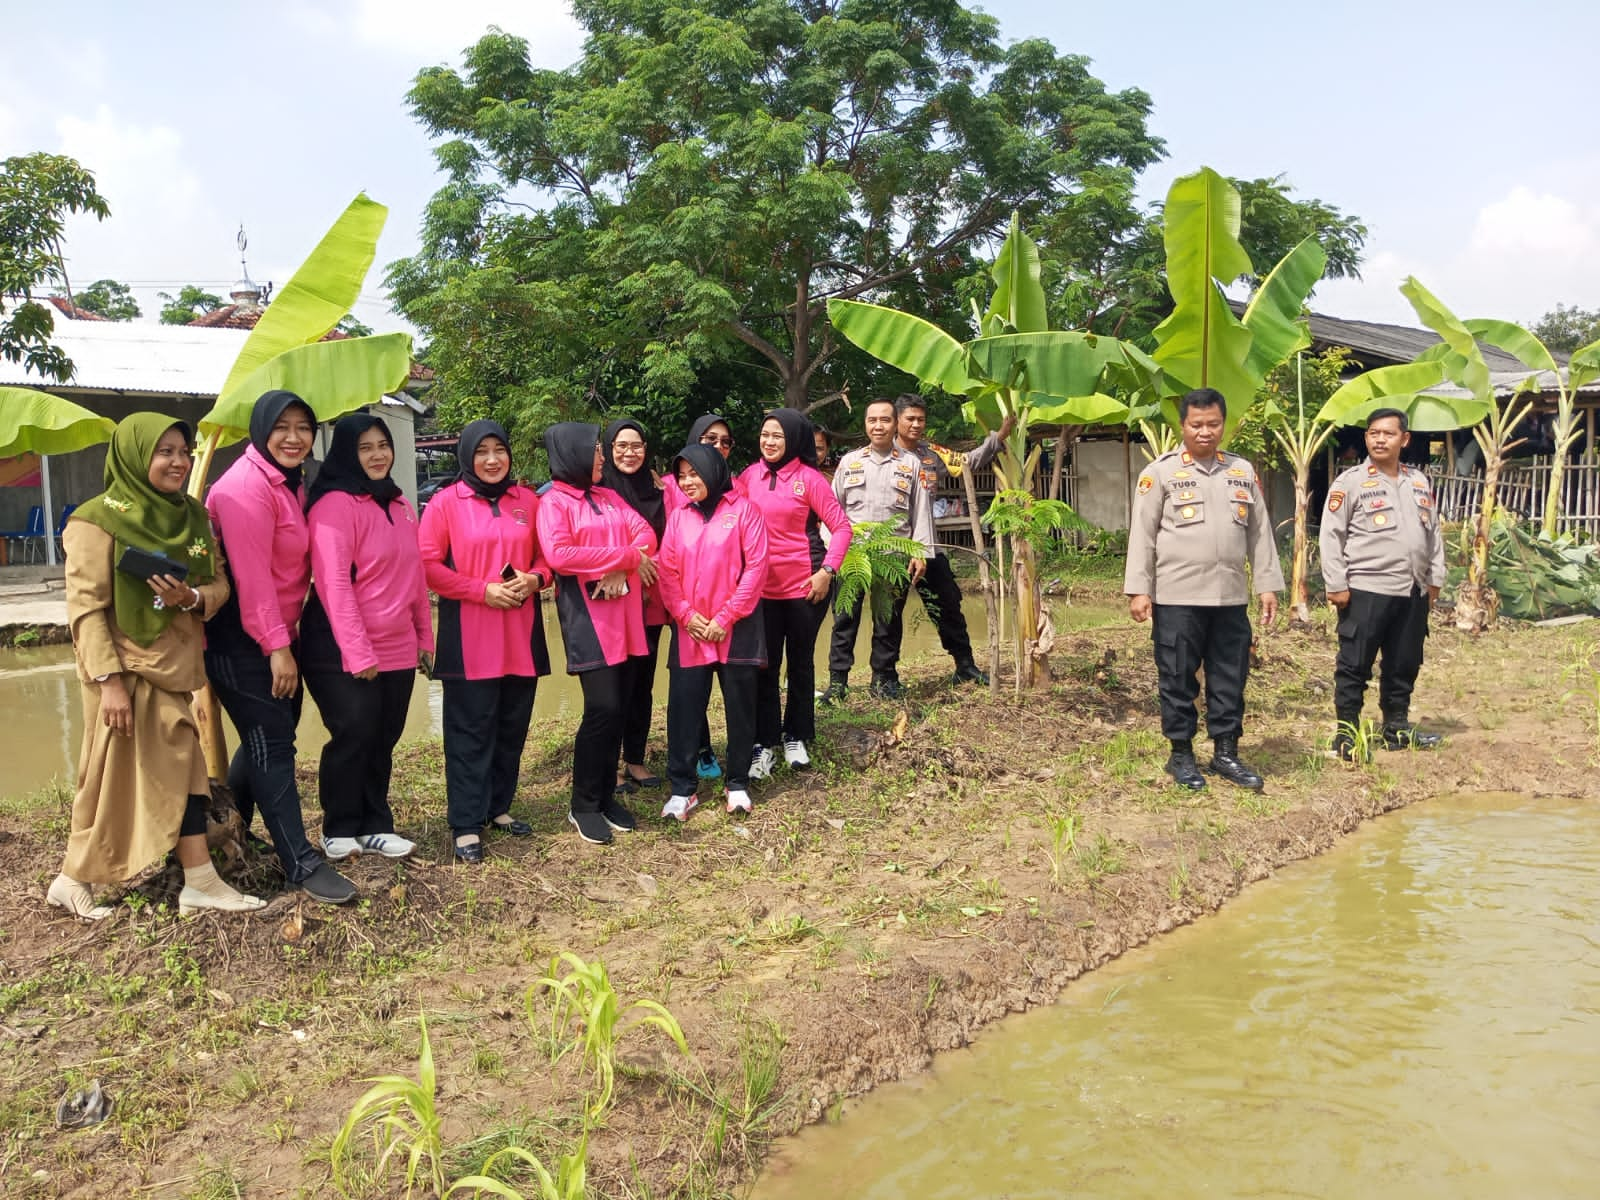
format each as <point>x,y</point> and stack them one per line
<point>485,729</point>
<point>640,697</point>
<point>1191,636</point>
<point>599,737</point>
<point>886,637</point>
<point>688,693</point>
<point>792,627</point>
<point>364,719</point>
<point>261,774</point>
<point>941,598</point>
<point>1370,624</point>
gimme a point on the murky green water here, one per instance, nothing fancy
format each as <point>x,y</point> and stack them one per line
<point>1415,1015</point>
<point>39,694</point>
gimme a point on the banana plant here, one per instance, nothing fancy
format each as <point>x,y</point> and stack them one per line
<point>1202,343</point>
<point>285,350</point>
<point>1017,368</point>
<point>1301,440</point>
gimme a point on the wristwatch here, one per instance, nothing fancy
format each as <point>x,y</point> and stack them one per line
<point>831,573</point>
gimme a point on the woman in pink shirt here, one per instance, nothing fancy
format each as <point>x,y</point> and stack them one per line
<point>366,630</point>
<point>713,566</point>
<point>481,553</point>
<point>251,644</point>
<point>792,497</point>
<point>599,551</point>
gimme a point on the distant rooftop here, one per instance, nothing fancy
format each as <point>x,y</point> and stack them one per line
<point>138,357</point>
<point>1378,345</point>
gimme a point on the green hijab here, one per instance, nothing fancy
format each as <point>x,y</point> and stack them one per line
<point>135,513</point>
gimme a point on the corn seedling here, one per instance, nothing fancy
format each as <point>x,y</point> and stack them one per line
<point>1063,842</point>
<point>566,1184</point>
<point>1363,736</point>
<point>585,995</point>
<point>404,1122</point>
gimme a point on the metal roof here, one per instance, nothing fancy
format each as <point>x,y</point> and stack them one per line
<point>1378,345</point>
<point>138,356</point>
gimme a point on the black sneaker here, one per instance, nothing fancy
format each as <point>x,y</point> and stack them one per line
<point>970,672</point>
<point>591,827</point>
<point>327,885</point>
<point>835,694</point>
<point>616,815</point>
<point>886,687</point>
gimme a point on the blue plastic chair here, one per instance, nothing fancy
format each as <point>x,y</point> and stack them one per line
<point>33,532</point>
<point>61,527</point>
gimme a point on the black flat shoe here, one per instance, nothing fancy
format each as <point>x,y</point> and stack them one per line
<point>471,853</point>
<point>514,828</point>
<point>649,783</point>
<point>624,787</point>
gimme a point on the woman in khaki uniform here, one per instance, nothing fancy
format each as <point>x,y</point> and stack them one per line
<point>138,638</point>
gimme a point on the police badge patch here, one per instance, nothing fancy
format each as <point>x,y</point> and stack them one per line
<point>1335,501</point>
<point>1145,484</point>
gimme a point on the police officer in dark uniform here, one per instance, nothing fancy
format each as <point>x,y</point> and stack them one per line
<point>1198,517</point>
<point>1382,564</point>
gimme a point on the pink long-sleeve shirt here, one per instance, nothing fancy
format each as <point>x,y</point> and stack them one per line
<point>465,543</point>
<point>381,617</point>
<point>268,545</point>
<point>787,504</point>
<point>716,568</point>
<point>585,537</point>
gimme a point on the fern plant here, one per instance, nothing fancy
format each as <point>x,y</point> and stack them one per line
<point>877,566</point>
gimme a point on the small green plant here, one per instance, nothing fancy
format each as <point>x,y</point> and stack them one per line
<point>404,1121</point>
<point>26,637</point>
<point>1063,842</point>
<point>585,995</point>
<point>877,565</point>
<point>1099,859</point>
<point>1583,672</point>
<point>1363,736</point>
<point>566,1184</point>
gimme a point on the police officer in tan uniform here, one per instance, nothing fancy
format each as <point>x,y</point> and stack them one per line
<point>879,483</point>
<point>1198,516</point>
<point>1383,565</point>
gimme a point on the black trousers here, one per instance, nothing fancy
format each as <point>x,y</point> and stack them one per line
<point>1370,624</point>
<point>688,693</point>
<point>640,688</point>
<point>1191,636</point>
<point>485,729</point>
<point>886,637</point>
<point>261,775</point>
<point>792,627</point>
<point>364,719</point>
<point>941,599</point>
<point>599,736</point>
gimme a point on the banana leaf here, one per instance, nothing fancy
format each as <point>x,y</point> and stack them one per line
<point>1514,340</point>
<point>1465,362</point>
<point>334,378</point>
<point>1401,386</point>
<point>1273,315</point>
<point>321,291</point>
<point>915,346</point>
<point>1018,303</point>
<point>47,424</point>
<point>1058,364</point>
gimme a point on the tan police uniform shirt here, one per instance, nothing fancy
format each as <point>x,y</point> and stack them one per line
<point>1194,527</point>
<point>1381,534</point>
<point>874,487</point>
<point>935,470</point>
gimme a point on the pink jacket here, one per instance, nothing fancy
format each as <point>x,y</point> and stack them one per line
<point>268,547</point>
<point>716,568</point>
<point>786,506</point>
<point>584,537</point>
<point>465,543</point>
<point>380,617</point>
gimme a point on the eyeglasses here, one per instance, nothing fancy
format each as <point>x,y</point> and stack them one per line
<point>711,439</point>
<point>628,447</point>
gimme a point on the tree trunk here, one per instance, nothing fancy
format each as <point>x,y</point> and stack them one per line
<point>1476,601</point>
<point>1299,592</point>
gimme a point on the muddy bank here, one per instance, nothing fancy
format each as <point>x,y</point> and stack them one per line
<point>948,861</point>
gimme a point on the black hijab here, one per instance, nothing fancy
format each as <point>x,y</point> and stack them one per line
<point>638,489</point>
<point>467,446</point>
<point>712,468</point>
<point>701,424</point>
<point>269,407</point>
<point>342,470</point>
<point>570,447</point>
<point>798,442</point>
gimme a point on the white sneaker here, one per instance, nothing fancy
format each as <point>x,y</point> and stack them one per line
<point>794,753</point>
<point>338,848</point>
<point>738,799</point>
<point>390,845</point>
<point>762,762</point>
<point>680,807</point>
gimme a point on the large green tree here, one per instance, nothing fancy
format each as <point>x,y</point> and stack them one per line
<point>709,174</point>
<point>191,301</point>
<point>1564,329</point>
<point>37,194</point>
<point>109,298</point>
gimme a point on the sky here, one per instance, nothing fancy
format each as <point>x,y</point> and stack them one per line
<point>1460,133</point>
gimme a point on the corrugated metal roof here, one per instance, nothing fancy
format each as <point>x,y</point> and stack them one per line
<point>1378,345</point>
<point>139,356</point>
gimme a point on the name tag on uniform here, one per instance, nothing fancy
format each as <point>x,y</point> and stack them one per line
<point>854,475</point>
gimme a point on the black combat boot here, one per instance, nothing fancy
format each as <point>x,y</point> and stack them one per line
<point>1182,767</point>
<point>1225,762</point>
<point>838,688</point>
<point>886,687</point>
<point>970,672</point>
<point>1400,734</point>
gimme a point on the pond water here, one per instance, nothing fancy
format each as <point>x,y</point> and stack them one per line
<point>43,715</point>
<point>1415,1014</point>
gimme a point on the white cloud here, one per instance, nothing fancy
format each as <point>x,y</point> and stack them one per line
<point>1540,225</point>
<point>430,31</point>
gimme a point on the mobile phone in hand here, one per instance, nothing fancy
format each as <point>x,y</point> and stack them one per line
<point>508,573</point>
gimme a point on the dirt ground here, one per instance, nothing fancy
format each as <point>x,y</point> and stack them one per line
<point>949,860</point>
